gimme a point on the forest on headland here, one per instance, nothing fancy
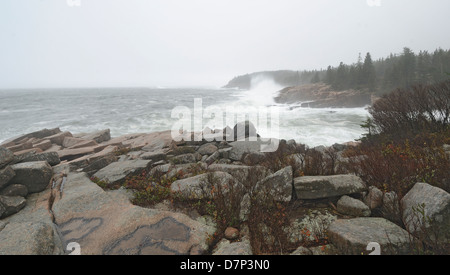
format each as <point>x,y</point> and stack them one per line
<point>367,75</point>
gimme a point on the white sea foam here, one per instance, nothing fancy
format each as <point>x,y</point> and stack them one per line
<point>126,111</point>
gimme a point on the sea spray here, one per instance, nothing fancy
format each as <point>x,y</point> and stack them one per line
<point>143,110</point>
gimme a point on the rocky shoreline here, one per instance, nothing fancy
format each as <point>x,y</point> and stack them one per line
<point>56,188</point>
<point>322,96</point>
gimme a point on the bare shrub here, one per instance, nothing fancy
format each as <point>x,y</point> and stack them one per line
<point>406,112</point>
<point>398,167</point>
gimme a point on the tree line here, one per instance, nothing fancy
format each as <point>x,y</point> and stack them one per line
<point>385,74</point>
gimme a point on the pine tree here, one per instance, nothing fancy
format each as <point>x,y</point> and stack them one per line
<point>341,80</point>
<point>407,67</point>
<point>369,74</point>
<point>329,77</point>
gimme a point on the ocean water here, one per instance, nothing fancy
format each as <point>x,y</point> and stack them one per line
<point>145,110</point>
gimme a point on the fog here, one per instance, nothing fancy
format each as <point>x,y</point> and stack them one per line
<point>173,43</point>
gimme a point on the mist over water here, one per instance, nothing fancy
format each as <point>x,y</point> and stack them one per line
<point>261,93</point>
<point>144,110</point>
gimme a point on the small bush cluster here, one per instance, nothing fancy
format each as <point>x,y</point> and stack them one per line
<point>101,183</point>
<point>398,166</point>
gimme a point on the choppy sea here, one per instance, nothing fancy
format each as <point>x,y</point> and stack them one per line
<point>145,110</point>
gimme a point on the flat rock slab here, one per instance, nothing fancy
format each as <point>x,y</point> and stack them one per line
<point>107,223</point>
<point>72,154</point>
<point>83,144</point>
<point>34,175</point>
<point>98,164</point>
<point>71,141</point>
<point>20,147</point>
<point>321,187</point>
<point>51,157</point>
<point>58,139</point>
<point>116,172</point>
<point>38,134</point>
<point>99,136</point>
<point>43,145</point>
<point>436,207</point>
<point>90,158</point>
<point>352,236</point>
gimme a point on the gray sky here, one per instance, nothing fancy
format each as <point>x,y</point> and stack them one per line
<point>49,43</point>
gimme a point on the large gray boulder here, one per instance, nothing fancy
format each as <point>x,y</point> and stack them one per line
<point>6,156</point>
<point>34,175</point>
<point>28,238</point>
<point>244,130</point>
<point>240,148</point>
<point>352,236</point>
<point>116,172</point>
<point>352,207</point>
<point>207,149</point>
<point>11,205</point>
<point>434,203</point>
<point>278,184</point>
<point>320,187</point>
<point>6,175</point>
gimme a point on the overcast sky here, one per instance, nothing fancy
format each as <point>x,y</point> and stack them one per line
<point>51,43</point>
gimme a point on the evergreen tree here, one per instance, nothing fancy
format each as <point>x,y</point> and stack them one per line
<point>329,77</point>
<point>369,75</point>
<point>407,67</point>
<point>341,80</point>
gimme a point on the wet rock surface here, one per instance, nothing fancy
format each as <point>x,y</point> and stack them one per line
<point>49,198</point>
